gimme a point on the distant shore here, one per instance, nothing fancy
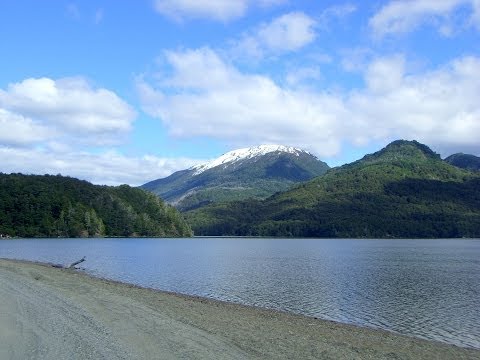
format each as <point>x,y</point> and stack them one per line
<point>46,312</point>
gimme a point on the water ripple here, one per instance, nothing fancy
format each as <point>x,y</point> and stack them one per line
<point>428,289</point>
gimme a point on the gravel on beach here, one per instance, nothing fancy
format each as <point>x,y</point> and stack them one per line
<point>51,313</point>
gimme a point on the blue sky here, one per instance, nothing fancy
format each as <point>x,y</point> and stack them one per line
<point>129,91</point>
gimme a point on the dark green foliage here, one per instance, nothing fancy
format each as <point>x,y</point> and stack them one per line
<point>57,206</point>
<point>464,161</point>
<point>257,177</point>
<point>404,190</point>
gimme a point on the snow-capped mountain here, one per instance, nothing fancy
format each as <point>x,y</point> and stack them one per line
<point>245,153</point>
<point>255,172</point>
<point>404,190</point>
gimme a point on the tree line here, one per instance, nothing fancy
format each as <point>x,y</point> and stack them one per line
<point>58,206</point>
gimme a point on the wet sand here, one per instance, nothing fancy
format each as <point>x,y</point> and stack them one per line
<point>50,313</point>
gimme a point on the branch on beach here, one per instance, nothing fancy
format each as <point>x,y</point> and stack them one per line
<point>76,263</point>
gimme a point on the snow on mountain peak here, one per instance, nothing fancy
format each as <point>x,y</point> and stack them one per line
<point>245,153</point>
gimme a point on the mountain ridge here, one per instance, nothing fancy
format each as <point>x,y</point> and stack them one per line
<point>402,150</point>
<point>464,161</point>
<point>403,190</point>
<point>256,172</point>
<point>243,154</point>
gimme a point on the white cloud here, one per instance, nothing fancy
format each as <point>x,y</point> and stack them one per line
<point>289,32</point>
<point>70,107</point>
<point>220,10</point>
<point>212,98</point>
<point>188,63</point>
<point>204,96</point>
<point>404,16</point>
<point>385,74</point>
<point>44,123</point>
<point>440,107</point>
<point>109,168</point>
<point>17,130</point>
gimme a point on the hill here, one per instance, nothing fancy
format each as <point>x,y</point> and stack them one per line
<point>403,190</point>
<point>464,161</point>
<point>57,206</point>
<point>256,172</point>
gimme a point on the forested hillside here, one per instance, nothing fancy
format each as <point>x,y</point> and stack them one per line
<point>256,172</point>
<point>464,161</point>
<point>57,206</point>
<point>404,190</point>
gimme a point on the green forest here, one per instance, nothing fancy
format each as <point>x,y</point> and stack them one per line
<point>402,191</point>
<point>58,206</point>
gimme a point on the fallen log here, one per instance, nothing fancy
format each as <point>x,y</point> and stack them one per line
<point>76,263</point>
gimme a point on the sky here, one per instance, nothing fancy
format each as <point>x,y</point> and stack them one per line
<point>130,91</point>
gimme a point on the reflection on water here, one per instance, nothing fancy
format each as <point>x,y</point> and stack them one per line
<point>424,288</point>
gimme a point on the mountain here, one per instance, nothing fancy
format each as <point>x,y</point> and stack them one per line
<point>404,190</point>
<point>464,161</point>
<point>57,206</point>
<point>256,172</point>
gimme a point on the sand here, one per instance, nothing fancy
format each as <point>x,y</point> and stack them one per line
<point>50,313</point>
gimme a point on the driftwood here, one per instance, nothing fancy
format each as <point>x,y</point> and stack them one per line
<point>76,263</point>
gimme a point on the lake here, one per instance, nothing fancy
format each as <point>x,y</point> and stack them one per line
<point>424,288</point>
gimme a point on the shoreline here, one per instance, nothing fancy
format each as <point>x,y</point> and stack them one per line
<point>50,312</point>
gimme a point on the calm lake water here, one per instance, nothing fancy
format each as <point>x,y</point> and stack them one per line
<point>424,288</point>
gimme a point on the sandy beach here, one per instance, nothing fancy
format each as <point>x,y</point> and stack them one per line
<point>50,313</point>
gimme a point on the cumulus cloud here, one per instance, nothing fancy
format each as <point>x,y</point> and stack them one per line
<point>69,107</point>
<point>385,74</point>
<point>289,32</point>
<point>17,130</point>
<point>205,96</point>
<point>43,123</point>
<point>404,16</point>
<point>108,168</point>
<point>220,10</point>
<point>212,98</point>
<point>440,107</point>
